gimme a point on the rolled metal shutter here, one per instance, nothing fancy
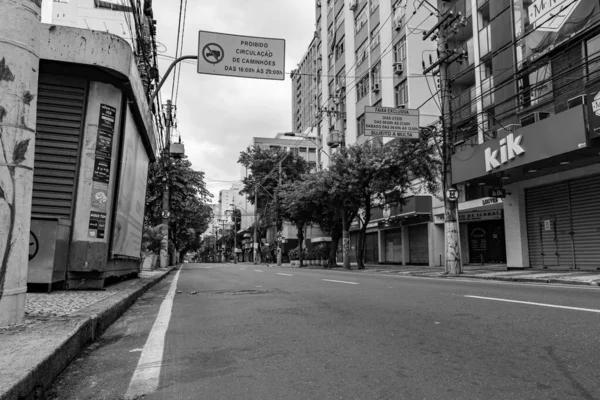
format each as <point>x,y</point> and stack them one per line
<point>585,215</point>
<point>549,226</point>
<point>372,248</point>
<point>418,244</point>
<point>60,113</point>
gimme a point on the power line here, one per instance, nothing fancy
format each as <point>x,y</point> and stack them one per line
<point>177,44</point>
<point>181,51</point>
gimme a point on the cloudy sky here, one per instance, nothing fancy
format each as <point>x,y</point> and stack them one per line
<point>218,116</point>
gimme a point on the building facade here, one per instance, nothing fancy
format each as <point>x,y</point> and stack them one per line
<point>524,124</point>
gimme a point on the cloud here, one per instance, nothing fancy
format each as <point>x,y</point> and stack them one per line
<point>218,116</point>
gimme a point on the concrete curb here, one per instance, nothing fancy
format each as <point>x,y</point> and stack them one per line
<point>511,279</point>
<point>90,323</point>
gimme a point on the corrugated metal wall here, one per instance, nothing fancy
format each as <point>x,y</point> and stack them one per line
<point>418,244</point>
<point>563,224</point>
<point>60,113</point>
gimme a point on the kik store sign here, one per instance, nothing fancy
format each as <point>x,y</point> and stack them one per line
<point>510,148</point>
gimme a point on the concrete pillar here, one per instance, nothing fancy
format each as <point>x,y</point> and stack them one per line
<point>19,69</point>
<point>515,228</point>
<point>381,242</point>
<point>405,246</point>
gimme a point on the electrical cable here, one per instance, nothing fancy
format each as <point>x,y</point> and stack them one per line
<point>181,52</point>
<point>177,45</point>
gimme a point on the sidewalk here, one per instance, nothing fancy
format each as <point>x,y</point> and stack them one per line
<point>57,326</point>
<point>496,272</point>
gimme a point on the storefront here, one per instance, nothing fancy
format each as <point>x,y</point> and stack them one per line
<point>550,175</point>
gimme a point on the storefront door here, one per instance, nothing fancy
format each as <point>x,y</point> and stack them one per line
<point>393,246</point>
<point>486,242</point>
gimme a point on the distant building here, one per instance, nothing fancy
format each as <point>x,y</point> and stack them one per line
<point>233,196</point>
<point>303,145</point>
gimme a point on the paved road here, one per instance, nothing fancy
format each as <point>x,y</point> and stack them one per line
<point>248,332</point>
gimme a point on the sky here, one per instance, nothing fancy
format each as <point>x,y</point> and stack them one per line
<point>218,116</point>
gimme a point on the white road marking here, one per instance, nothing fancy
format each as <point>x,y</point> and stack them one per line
<point>258,286</point>
<point>135,350</point>
<point>331,280</point>
<point>147,373</point>
<point>537,304</point>
<point>279,273</point>
<point>258,270</point>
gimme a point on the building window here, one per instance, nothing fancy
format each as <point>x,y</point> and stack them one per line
<point>339,20</point>
<point>376,74</point>
<point>399,12</point>
<point>329,5</point>
<point>373,6</point>
<point>360,125</point>
<point>361,53</point>
<point>593,57</point>
<point>535,87</point>
<point>401,94</point>
<point>361,20</point>
<point>400,50</point>
<point>340,78</point>
<point>362,88</point>
<point>116,5</point>
<point>339,49</point>
<point>374,38</point>
<point>61,1</point>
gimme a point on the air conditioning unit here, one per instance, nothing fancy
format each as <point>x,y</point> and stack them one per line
<point>509,128</point>
<point>533,118</point>
<point>375,88</point>
<point>398,68</point>
<point>334,139</point>
<point>576,101</point>
<point>401,105</point>
<point>397,24</point>
<point>353,4</point>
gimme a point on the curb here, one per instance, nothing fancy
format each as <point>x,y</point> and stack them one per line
<point>511,279</point>
<point>93,321</point>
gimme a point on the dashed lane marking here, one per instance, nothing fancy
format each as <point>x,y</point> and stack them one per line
<point>279,273</point>
<point>332,280</point>
<point>536,304</point>
<point>147,373</point>
<point>258,270</point>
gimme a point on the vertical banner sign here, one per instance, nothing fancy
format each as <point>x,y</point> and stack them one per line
<point>593,100</point>
<point>101,175</point>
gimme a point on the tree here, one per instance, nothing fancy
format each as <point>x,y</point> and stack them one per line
<point>384,174</point>
<point>188,196</point>
<point>263,179</point>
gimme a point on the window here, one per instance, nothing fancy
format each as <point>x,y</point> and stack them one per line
<point>361,53</point>
<point>376,74</point>
<point>399,11</point>
<point>374,38</point>
<point>360,125</point>
<point>312,154</point>
<point>329,5</point>
<point>339,49</point>
<point>362,88</point>
<point>401,94</point>
<point>116,5</point>
<point>61,1</point>
<point>536,87</point>
<point>339,19</point>
<point>487,84</point>
<point>361,20</point>
<point>340,78</point>
<point>374,5</point>
<point>593,57</point>
<point>400,50</point>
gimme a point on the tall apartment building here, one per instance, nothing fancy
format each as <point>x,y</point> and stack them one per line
<point>525,121</point>
<point>233,196</point>
<point>306,89</point>
<point>371,54</point>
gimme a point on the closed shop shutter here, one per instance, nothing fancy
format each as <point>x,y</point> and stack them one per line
<point>418,244</point>
<point>585,215</point>
<point>60,111</point>
<point>393,246</point>
<point>372,248</point>
<point>353,246</point>
<point>549,226</point>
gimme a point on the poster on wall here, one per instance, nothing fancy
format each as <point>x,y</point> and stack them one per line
<point>97,225</point>
<point>104,140</point>
<point>129,219</point>
<point>541,25</point>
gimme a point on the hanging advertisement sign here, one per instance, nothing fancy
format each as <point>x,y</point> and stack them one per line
<point>392,122</point>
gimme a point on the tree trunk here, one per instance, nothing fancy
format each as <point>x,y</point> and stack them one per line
<point>300,241</point>
<point>336,234</point>
<point>362,235</point>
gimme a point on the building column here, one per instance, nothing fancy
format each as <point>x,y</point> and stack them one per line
<point>381,247</point>
<point>19,69</point>
<point>515,228</point>
<point>405,246</point>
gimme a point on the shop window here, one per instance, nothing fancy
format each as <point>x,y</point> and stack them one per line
<point>362,88</point>
<point>536,87</point>
<point>401,94</point>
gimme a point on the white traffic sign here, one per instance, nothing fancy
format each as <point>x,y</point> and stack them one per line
<point>452,194</point>
<point>241,56</point>
<point>393,122</point>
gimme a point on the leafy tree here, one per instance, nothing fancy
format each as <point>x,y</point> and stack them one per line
<point>381,174</point>
<point>263,179</point>
<point>188,196</point>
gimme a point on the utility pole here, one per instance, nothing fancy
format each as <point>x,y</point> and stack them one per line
<point>279,238</point>
<point>215,238</point>
<point>234,235</point>
<point>255,244</point>
<point>451,223</point>
<point>19,65</point>
<point>166,212</point>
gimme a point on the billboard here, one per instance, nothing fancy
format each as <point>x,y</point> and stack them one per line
<point>129,218</point>
<point>542,25</point>
<point>392,122</point>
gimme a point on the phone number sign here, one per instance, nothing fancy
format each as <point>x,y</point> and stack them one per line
<point>392,122</point>
<point>241,56</point>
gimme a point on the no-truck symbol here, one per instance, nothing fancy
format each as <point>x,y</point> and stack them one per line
<point>213,53</point>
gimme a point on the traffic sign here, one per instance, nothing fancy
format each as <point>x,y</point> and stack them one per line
<point>392,122</point>
<point>241,56</point>
<point>452,194</point>
<point>166,214</point>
